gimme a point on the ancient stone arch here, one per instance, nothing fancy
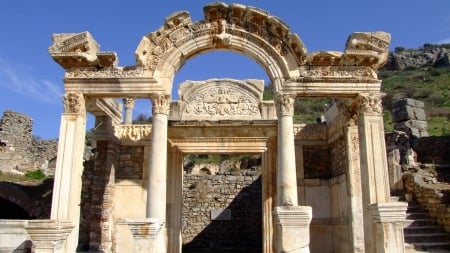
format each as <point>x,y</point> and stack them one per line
<point>356,171</point>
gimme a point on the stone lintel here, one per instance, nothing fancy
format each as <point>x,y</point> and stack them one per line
<point>338,89</point>
<point>388,212</point>
<point>105,107</point>
<point>115,87</point>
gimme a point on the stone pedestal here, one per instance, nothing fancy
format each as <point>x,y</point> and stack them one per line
<point>48,236</point>
<point>293,228</point>
<point>389,219</point>
<point>148,234</point>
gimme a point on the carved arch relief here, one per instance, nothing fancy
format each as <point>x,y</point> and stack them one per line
<point>246,30</point>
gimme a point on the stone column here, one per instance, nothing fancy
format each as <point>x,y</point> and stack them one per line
<point>292,233</point>
<point>157,173</point>
<point>374,175</point>
<point>286,171</point>
<point>48,236</point>
<point>129,105</point>
<point>69,166</point>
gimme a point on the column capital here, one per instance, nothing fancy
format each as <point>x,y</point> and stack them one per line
<point>285,104</point>
<point>161,103</point>
<point>74,103</point>
<point>129,102</point>
<point>370,104</point>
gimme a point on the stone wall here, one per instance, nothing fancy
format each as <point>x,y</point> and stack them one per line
<point>434,150</point>
<point>316,162</point>
<point>432,197</point>
<point>222,212</point>
<point>131,160</point>
<point>19,151</point>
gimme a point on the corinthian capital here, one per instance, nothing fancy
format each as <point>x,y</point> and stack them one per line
<point>161,103</point>
<point>129,102</point>
<point>370,104</point>
<point>285,104</point>
<point>74,103</point>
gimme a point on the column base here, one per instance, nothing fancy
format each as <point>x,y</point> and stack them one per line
<point>148,234</point>
<point>389,219</point>
<point>292,228</point>
<point>49,236</point>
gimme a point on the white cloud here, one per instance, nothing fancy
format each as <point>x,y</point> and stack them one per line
<point>18,80</point>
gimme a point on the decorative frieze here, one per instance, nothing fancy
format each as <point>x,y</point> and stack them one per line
<point>74,103</point>
<point>335,73</point>
<point>109,72</point>
<point>133,132</point>
<point>310,132</point>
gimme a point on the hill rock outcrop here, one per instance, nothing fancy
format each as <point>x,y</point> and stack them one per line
<point>428,55</point>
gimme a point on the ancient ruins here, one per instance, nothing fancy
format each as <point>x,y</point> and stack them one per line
<point>323,187</point>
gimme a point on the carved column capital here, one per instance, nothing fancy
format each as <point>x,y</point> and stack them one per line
<point>74,103</point>
<point>129,102</point>
<point>161,103</point>
<point>285,104</point>
<point>370,104</point>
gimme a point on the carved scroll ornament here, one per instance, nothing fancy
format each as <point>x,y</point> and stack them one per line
<point>129,102</point>
<point>74,103</point>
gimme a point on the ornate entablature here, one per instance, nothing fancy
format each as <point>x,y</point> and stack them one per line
<point>219,99</point>
<point>239,28</point>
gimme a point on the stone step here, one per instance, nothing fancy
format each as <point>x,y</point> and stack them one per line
<point>423,230</point>
<point>431,238</point>
<point>417,215</point>
<point>421,222</point>
<point>428,247</point>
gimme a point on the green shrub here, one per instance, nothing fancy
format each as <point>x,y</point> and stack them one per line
<point>35,175</point>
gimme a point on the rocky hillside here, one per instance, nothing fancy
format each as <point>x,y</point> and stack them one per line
<point>422,74</point>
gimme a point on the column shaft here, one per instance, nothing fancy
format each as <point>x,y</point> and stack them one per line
<point>286,170</point>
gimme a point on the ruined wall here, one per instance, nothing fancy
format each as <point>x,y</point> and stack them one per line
<point>19,151</point>
<point>316,161</point>
<point>239,227</point>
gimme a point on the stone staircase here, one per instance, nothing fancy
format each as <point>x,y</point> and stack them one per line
<point>422,233</point>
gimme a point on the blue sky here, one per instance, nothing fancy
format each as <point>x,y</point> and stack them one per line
<point>31,82</point>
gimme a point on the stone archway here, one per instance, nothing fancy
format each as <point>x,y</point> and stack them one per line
<point>239,28</point>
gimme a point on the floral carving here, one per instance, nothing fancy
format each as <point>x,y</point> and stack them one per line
<point>161,103</point>
<point>74,103</point>
<point>285,104</point>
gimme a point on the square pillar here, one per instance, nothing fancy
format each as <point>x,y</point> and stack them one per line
<point>293,228</point>
<point>66,197</point>
<point>374,174</point>
<point>48,236</point>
